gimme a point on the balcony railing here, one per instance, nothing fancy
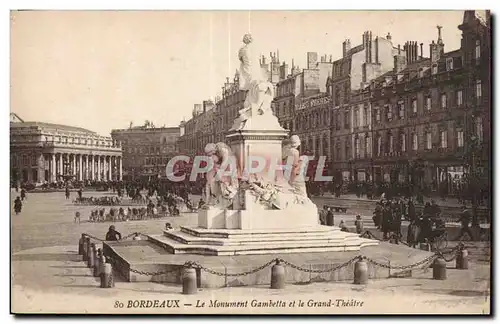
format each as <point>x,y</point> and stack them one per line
<point>76,145</point>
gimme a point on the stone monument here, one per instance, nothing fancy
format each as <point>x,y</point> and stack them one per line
<point>257,202</point>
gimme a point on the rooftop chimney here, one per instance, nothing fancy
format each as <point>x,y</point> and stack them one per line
<point>421,50</point>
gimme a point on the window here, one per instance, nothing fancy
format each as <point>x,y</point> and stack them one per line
<point>479,129</point>
<point>477,53</point>
<point>337,96</point>
<point>443,101</point>
<point>414,106</point>
<point>428,103</point>
<point>365,116</point>
<point>401,111</point>
<point>379,145</point>
<point>356,118</point>
<point>460,98</point>
<point>414,142</point>
<point>347,151</point>
<point>479,90</point>
<point>377,114</point>
<point>460,138</point>
<point>337,151</point>
<point>434,68</point>
<point>449,63</point>
<point>402,142</point>
<point>391,143</point>
<point>346,119</point>
<point>368,145</point>
<point>356,147</point>
<point>346,92</point>
<point>444,139</point>
<point>389,113</point>
<point>428,141</point>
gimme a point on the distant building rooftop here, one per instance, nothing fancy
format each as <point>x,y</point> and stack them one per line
<point>51,126</point>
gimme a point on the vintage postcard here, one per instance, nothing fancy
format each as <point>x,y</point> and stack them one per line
<point>250,162</point>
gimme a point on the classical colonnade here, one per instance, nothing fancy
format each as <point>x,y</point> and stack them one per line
<point>84,166</point>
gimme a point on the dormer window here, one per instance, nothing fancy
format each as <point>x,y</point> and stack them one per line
<point>449,64</point>
<point>434,68</point>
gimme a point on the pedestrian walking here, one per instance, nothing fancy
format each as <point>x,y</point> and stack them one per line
<point>18,205</point>
<point>359,224</point>
<point>465,219</point>
<point>23,194</point>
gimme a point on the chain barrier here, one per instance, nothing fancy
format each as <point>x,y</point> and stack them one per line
<point>122,239</point>
<point>223,274</point>
<point>335,268</point>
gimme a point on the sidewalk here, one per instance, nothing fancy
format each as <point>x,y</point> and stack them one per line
<point>54,280</point>
<point>448,202</point>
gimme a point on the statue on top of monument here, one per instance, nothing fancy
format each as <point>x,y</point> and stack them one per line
<point>255,81</point>
<point>222,180</point>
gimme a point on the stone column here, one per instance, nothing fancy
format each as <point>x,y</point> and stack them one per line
<point>87,167</point>
<point>98,168</point>
<point>92,167</point>
<point>61,163</point>
<point>110,168</point>
<point>73,172</point>
<point>53,167</point>
<point>41,168</point>
<point>120,172</point>
<point>80,169</point>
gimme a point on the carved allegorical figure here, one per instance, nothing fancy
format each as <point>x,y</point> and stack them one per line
<point>252,78</point>
<point>293,162</point>
<point>222,181</point>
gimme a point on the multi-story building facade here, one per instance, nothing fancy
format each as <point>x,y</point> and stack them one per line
<point>43,152</point>
<point>350,107</point>
<point>424,118</point>
<point>146,149</point>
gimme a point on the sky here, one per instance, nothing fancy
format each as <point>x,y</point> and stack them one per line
<point>102,70</point>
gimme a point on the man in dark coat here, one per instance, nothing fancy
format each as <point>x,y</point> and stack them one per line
<point>18,205</point>
<point>112,234</point>
<point>465,219</point>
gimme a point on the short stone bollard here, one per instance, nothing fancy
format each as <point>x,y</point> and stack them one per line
<point>97,260</point>
<point>360,272</point>
<point>189,284</point>
<point>462,261</point>
<point>102,262</point>
<point>86,246</point>
<point>107,280</point>
<point>439,269</point>
<point>278,276</point>
<point>81,243</point>
<point>90,262</point>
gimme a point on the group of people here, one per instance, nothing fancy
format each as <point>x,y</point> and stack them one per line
<point>100,201</point>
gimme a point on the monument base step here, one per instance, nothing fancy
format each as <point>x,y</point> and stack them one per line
<point>231,242</point>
